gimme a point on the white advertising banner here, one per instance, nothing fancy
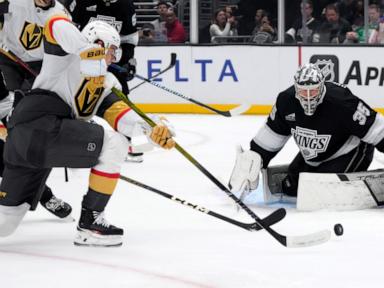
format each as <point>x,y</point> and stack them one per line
<point>224,75</point>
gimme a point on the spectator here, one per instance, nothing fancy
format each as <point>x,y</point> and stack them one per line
<point>296,33</point>
<point>352,11</point>
<point>265,32</point>
<point>334,28</point>
<point>229,12</point>
<point>358,35</point>
<point>222,26</point>
<point>159,24</point>
<point>175,30</point>
<point>147,34</point>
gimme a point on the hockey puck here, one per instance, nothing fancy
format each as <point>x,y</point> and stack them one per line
<point>339,230</point>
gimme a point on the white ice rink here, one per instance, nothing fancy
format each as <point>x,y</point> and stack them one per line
<point>169,245</point>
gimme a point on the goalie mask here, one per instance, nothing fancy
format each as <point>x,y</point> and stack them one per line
<point>309,87</point>
<point>101,31</point>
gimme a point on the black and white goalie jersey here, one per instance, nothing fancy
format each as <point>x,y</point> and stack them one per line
<point>338,126</point>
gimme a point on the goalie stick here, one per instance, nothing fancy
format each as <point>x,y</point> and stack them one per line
<point>287,241</point>
<point>171,64</point>
<point>271,219</point>
<point>229,113</point>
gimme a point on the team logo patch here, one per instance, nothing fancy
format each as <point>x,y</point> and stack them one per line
<point>329,66</point>
<point>88,95</point>
<point>91,147</point>
<point>31,36</point>
<point>309,142</point>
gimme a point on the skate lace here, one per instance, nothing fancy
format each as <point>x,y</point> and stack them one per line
<point>100,220</point>
<point>54,203</point>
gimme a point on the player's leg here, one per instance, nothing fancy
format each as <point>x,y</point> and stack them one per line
<point>21,188</point>
<point>357,160</point>
<point>16,79</point>
<point>81,144</point>
<point>290,183</point>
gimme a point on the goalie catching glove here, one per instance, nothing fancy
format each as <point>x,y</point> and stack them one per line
<point>245,174</point>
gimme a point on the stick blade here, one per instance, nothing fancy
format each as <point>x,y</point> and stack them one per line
<point>173,59</point>
<point>308,240</point>
<point>240,109</point>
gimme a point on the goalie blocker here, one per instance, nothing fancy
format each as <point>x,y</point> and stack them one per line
<point>333,191</point>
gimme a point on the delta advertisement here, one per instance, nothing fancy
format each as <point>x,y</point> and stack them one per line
<point>227,76</point>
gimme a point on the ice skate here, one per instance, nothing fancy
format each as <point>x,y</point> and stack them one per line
<point>94,230</point>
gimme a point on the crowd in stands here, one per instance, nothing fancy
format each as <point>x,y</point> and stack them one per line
<point>320,21</point>
<point>166,28</point>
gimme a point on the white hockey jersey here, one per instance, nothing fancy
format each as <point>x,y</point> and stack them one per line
<point>64,46</point>
<point>23,28</point>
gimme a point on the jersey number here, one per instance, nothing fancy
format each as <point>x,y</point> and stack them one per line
<point>361,114</point>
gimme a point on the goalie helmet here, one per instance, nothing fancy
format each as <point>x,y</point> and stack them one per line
<point>309,87</point>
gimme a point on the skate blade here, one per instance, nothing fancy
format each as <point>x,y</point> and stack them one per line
<point>88,238</point>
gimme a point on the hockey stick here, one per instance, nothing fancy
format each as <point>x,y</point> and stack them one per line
<point>171,64</point>
<point>271,219</point>
<point>236,111</point>
<point>16,59</point>
<point>287,241</point>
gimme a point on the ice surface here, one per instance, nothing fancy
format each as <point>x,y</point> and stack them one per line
<point>168,245</point>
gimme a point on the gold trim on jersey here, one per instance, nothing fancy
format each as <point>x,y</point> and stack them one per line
<point>112,114</point>
<point>96,53</point>
<point>31,35</point>
<point>48,26</point>
<point>88,95</point>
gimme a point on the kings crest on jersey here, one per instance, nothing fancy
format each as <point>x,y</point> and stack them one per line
<point>341,121</point>
<point>23,24</point>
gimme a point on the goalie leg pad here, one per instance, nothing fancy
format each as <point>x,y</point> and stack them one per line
<point>340,192</point>
<point>10,218</point>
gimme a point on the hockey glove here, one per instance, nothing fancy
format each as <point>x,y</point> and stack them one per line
<point>162,133</point>
<point>245,174</point>
<point>130,68</point>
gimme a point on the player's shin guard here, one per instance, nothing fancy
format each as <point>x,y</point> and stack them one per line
<point>10,218</point>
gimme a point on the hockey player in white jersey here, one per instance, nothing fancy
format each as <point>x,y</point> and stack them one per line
<point>49,128</point>
<point>22,23</point>
<point>335,131</point>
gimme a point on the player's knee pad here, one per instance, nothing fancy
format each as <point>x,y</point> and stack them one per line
<point>114,150</point>
<point>10,218</point>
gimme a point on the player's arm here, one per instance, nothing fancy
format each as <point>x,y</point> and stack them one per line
<point>268,141</point>
<point>363,121</point>
<point>124,120</point>
<point>62,37</point>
